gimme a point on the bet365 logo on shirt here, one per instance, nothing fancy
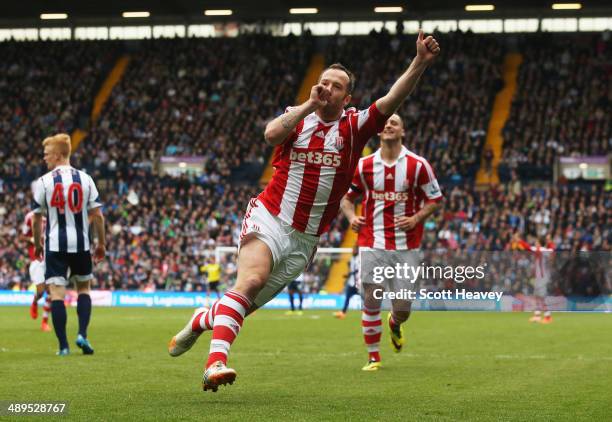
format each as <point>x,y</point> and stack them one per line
<point>321,158</point>
<point>390,196</point>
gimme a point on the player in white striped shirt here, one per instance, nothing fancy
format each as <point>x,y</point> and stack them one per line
<point>318,145</point>
<point>399,191</point>
<point>70,199</point>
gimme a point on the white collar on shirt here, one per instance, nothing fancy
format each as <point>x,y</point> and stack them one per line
<point>403,152</point>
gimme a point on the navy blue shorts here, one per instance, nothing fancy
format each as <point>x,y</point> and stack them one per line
<point>295,285</point>
<point>351,290</point>
<point>58,263</point>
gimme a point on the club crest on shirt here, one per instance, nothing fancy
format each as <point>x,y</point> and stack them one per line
<point>339,143</point>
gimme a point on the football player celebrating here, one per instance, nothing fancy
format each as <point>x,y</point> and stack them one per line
<point>399,191</point>
<point>318,145</point>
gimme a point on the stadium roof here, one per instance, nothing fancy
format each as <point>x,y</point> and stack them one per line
<point>23,13</point>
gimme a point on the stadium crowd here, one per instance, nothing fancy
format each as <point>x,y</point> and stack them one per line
<point>179,97</point>
<point>563,103</point>
<point>197,97</point>
<point>573,218</point>
<point>160,235</point>
<point>447,115</point>
<point>46,87</point>
<point>212,98</point>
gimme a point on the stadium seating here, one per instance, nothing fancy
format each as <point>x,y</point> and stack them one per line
<point>447,116</point>
<point>46,87</point>
<point>204,97</point>
<point>574,218</point>
<point>179,97</point>
<point>563,104</point>
<point>161,242</point>
<point>212,97</point>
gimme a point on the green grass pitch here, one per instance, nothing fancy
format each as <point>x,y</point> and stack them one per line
<point>455,366</point>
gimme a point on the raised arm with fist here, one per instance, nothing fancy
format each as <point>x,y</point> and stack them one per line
<point>427,47</point>
<point>427,50</point>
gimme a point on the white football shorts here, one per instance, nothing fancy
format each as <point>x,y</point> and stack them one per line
<point>291,249</point>
<point>37,272</point>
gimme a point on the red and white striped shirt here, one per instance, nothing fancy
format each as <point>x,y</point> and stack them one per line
<point>391,191</point>
<point>314,166</point>
<point>541,264</point>
<point>28,231</point>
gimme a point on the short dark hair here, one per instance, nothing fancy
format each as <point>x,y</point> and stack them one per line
<point>350,74</point>
<point>398,117</point>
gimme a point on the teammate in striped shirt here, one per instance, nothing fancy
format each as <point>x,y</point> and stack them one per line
<point>543,253</point>
<point>399,192</point>
<point>37,273</point>
<point>318,145</point>
<point>70,200</point>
